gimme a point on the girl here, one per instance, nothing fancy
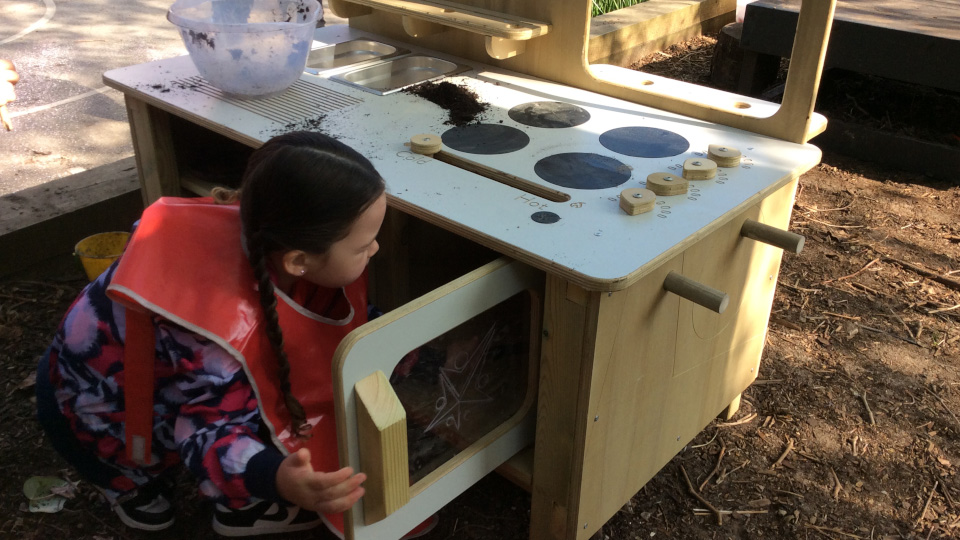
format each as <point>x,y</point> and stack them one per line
<point>231,314</point>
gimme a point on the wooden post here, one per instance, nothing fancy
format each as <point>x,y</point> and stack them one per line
<point>382,433</point>
<point>154,150</point>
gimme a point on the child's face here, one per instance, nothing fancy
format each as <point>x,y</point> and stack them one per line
<point>345,261</point>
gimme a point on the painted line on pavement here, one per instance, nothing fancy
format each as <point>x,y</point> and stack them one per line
<point>61,102</point>
<point>51,9</point>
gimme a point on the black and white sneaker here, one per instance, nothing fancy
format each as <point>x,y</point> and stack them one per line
<point>262,517</point>
<point>148,510</point>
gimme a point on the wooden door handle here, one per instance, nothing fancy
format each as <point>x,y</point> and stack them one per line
<point>780,238</point>
<point>382,436</point>
<point>696,292</point>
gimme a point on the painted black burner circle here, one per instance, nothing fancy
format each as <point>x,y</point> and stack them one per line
<point>580,170</point>
<point>644,142</point>
<point>549,114</point>
<point>485,139</point>
<point>545,217</point>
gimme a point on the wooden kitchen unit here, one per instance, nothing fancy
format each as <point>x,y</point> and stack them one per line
<point>629,325</point>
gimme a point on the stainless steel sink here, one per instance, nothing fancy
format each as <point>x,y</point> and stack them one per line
<point>351,52</point>
<point>396,74</point>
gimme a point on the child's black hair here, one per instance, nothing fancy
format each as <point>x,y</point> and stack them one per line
<point>300,191</point>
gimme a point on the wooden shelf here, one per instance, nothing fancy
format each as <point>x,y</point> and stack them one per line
<point>198,186</point>
<point>471,19</point>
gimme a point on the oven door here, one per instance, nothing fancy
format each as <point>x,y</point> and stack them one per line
<point>435,394</point>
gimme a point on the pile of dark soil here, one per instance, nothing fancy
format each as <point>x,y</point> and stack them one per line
<point>463,104</point>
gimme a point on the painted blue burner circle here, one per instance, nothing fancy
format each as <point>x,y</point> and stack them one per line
<point>549,114</point>
<point>545,217</point>
<point>646,142</point>
<point>485,139</point>
<point>581,170</point>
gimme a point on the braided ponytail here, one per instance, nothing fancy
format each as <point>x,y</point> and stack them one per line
<point>300,191</point>
<point>268,302</point>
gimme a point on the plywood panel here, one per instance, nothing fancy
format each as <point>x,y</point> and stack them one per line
<point>655,383</point>
<point>634,352</point>
<point>721,260</point>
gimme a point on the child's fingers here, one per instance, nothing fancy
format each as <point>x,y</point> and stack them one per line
<point>327,480</point>
<point>341,504</point>
<point>337,485</point>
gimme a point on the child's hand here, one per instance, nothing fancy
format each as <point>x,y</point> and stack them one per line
<point>322,492</point>
<point>8,78</point>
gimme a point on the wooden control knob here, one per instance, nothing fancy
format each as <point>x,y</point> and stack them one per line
<point>699,169</point>
<point>666,184</point>
<point>724,156</point>
<point>426,144</point>
<point>635,201</point>
<point>773,236</point>
<point>696,292</point>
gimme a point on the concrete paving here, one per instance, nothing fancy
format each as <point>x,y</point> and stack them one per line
<point>65,119</point>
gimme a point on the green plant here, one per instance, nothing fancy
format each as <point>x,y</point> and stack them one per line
<point>606,6</point>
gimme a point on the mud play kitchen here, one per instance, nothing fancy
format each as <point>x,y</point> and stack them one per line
<point>602,244</point>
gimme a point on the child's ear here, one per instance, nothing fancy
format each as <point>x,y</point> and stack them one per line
<point>294,262</point>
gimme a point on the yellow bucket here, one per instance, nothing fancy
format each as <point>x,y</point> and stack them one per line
<point>97,252</point>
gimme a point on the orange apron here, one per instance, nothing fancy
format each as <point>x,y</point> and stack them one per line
<point>185,263</point>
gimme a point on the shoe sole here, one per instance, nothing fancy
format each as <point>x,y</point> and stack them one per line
<point>234,532</point>
<point>133,524</point>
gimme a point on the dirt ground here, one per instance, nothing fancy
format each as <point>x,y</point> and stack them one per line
<point>851,430</point>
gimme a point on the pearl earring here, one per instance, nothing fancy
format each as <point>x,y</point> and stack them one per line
<point>303,271</point>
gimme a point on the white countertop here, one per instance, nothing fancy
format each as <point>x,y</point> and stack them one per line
<point>594,241</point>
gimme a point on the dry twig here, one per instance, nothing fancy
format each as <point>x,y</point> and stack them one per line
<point>725,474</point>
<point>927,504</point>
<point>704,512</point>
<point>840,315</point>
<point>723,450</point>
<point>837,485</point>
<point>946,495</point>
<point>784,454</point>
<point>868,265</point>
<point>879,331</point>
<point>863,398</point>
<point>699,498</point>
<point>941,310</point>
<point>909,331</point>
<point>785,323</point>
<point>952,283</point>
<point>944,405</point>
<point>832,530</point>
<point>743,420</point>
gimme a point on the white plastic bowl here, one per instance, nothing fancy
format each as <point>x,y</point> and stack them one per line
<point>247,48</point>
